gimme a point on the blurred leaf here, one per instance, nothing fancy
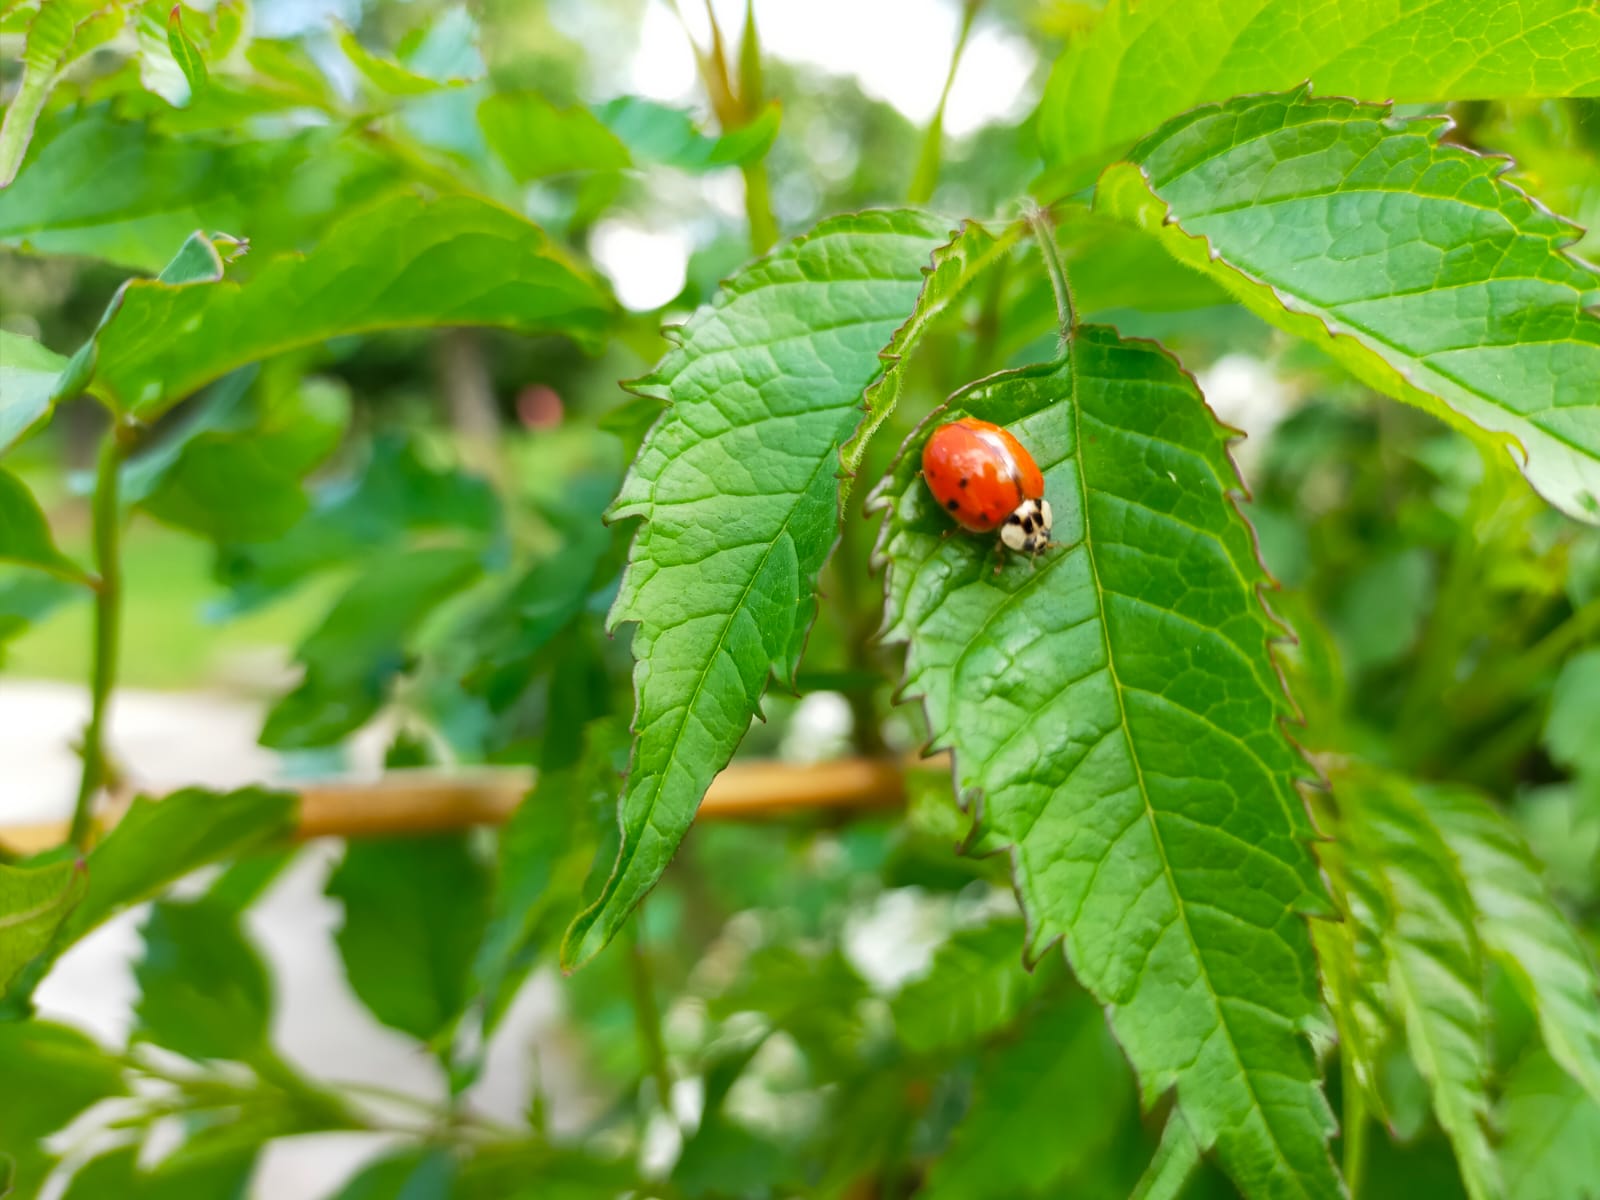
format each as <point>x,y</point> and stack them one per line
<point>1141,61</point>
<point>1173,1165</point>
<point>453,261</point>
<point>177,1177</point>
<point>28,374</point>
<point>414,914</point>
<point>976,985</point>
<point>1155,826</point>
<point>765,386</point>
<point>351,658</point>
<point>1434,960</point>
<point>535,139</point>
<point>658,133</point>
<point>235,471</point>
<point>157,842</point>
<point>1044,1106</point>
<point>127,193</point>
<point>410,1175</point>
<point>1571,726</point>
<point>383,76</point>
<point>25,536</point>
<point>28,596</point>
<point>1551,1144</point>
<point>546,850</point>
<point>812,996</point>
<point>60,32</point>
<point>1521,926</point>
<point>1381,608</point>
<point>1482,324</point>
<point>395,492</point>
<point>203,990</point>
<point>33,903</point>
<point>185,53</point>
<point>51,1074</point>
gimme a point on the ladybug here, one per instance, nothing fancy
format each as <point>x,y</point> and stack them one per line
<point>987,480</point>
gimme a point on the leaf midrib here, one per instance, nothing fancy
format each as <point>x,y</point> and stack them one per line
<point>1144,793</point>
<point>710,661</point>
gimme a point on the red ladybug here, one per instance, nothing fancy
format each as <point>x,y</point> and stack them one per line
<point>987,480</point>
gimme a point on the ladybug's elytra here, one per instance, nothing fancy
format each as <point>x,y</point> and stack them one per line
<point>987,480</point>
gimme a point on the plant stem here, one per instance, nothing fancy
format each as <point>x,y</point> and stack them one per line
<point>1355,1128</point>
<point>1044,233</point>
<point>107,633</point>
<point>758,207</point>
<point>646,1013</point>
<point>926,176</point>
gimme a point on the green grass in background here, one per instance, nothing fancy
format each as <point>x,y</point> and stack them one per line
<point>167,642</point>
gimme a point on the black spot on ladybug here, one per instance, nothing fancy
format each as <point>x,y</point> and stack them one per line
<point>954,504</point>
<point>964,481</point>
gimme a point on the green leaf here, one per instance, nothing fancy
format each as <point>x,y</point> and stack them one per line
<point>1522,927</point>
<point>408,954</point>
<point>185,53</point>
<point>546,851</point>
<point>536,139</point>
<point>1551,1144</point>
<point>384,76</point>
<point>1174,1162</point>
<point>60,32</point>
<point>1434,960</point>
<point>33,903</point>
<point>410,1175</point>
<point>25,535</point>
<point>1115,716</point>
<point>1569,729</point>
<point>658,133</point>
<point>406,261</point>
<point>1044,1106</point>
<point>1144,60</point>
<point>738,484</point>
<point>158,842</point>
<point>203,990</point>
<point>234,471</point>
<point>125,192</point>
<point>28,374</point>
<point>364,643</point>
<point>51,1074</point>
<point>956,269</point>
<point>1308,211</point>
<point>975,986</point>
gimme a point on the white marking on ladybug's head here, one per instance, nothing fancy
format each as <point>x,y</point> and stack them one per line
<point>1027,531</point>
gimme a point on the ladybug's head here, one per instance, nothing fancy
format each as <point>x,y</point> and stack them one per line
<point>1027,530</point>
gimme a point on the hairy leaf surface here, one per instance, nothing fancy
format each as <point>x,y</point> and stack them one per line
<point>404,262</point>
<point>1144,60</point>
<point>1424,920</point>
<point>1407,259</point>
<point>738,483</point>
<point>1114,713</point>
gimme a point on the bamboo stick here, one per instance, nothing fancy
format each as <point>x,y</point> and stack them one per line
<point>431,801</point>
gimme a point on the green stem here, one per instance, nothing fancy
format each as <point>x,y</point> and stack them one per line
<point>107,633</point>
<point>926,176</point>
<point>1355,1128</point>
<point>647,1014</point>
<point>758,207</point>
<point>1044,233</point>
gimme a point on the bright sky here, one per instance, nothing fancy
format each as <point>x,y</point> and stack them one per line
<point>897,50</point>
